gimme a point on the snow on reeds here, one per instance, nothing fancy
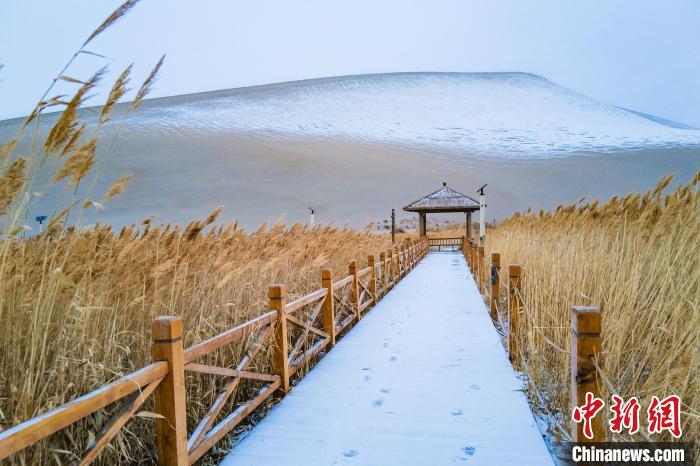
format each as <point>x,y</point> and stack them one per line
<point>637,258</point>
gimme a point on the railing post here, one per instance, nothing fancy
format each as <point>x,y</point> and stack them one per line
<point>474,268</point>
<point>495,282</point>
<point>481,269</point>
<point>355,289</point>
<point>390,270</point>
<point>171,430</point>
<point>372,278</point>
<point>382,259</point>
<point>514,306</point>
<point>280,355</point>
<point>397,265</point>
<point>401,260</point>
<point>328,309</point>
<point>586,326</point>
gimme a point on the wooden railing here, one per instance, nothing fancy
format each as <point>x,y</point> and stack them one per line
<point>448,243</point>
<point>295,332</point>
<point>586,327</point>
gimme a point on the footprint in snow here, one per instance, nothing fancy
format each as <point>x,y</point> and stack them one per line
<point>469,450</point>
<point>474,387</point>
<point>350,453</point>
<point>392,359</point>
<point>384,390</point>
<point>367,378</point>
<point>378,402</point>
<point>457,412</point>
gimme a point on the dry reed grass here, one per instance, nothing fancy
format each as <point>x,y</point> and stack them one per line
<point>76,304</point>
<point>77,307</point>
<point>637,258</point>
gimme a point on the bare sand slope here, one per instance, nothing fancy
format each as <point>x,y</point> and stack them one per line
<point>266,178</point>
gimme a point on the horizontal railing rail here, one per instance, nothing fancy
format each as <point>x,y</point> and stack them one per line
<point>295,332</point>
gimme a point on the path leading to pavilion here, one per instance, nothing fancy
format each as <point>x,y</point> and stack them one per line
<point>422,379</point>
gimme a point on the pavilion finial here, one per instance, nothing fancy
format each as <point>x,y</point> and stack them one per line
<point>444,183</point>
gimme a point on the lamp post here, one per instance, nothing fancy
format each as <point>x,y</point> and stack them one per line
<point>482,214</point>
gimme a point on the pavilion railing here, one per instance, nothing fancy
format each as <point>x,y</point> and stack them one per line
<point>446,243</point>
<point>296,333</point>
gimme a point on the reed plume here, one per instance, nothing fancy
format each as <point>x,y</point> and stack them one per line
<point>147,85</point>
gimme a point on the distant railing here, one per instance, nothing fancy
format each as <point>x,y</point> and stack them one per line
<point>447,243</point>
<point>296,332</point>
<point>586,328</point>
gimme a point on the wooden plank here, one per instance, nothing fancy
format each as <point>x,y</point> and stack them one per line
<point>308,354</point>
<point>304,300</point>
<point>280,352</point>
<point>373,278</point>
<point>514,309</point>
<point>363,272</point>
<point>355,288</point>
<point>586,327</point>
<point>348,320</point>
<point>328,310</point>
<point>226,372</point>
<point>171,430</point>
<point>231,421</point>
<point>341,283</point>
<point>384,279</point>
<point>225,393</point>
<point>31,431</point>
<point>229,336</point>
<point>128,408</point>
<point>307,326</point>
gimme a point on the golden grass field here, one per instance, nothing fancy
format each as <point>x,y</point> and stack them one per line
<point>76,308</point>
<point>636,257</point>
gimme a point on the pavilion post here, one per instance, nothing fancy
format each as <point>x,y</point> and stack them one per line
<point>422,223</point>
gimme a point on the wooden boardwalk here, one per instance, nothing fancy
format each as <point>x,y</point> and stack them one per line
<point>421,380</point>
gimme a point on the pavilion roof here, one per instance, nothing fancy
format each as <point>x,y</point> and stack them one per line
<point>444,199</point>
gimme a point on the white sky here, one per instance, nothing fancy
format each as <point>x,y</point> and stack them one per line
<point>640,54</point>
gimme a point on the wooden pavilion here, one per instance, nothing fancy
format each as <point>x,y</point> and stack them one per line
<point>444,200</point>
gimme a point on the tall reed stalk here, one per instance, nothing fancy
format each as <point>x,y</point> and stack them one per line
<point>637,258</point>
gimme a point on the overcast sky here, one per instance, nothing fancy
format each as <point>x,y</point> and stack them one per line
<point>638,54</point>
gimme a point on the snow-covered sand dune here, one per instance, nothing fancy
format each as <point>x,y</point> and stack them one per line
<point>501,114</point>
<point>353,147</point>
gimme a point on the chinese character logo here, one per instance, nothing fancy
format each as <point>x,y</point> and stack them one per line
<point>624,415</point>
<point>665,415</point>
<point>587,412</point>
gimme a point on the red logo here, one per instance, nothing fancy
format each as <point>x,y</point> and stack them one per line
<point>624,415</point>
<point>587,412</point>
<point>665,415</point>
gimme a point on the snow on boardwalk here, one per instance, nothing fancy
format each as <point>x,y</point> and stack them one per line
<point>421,380</point>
